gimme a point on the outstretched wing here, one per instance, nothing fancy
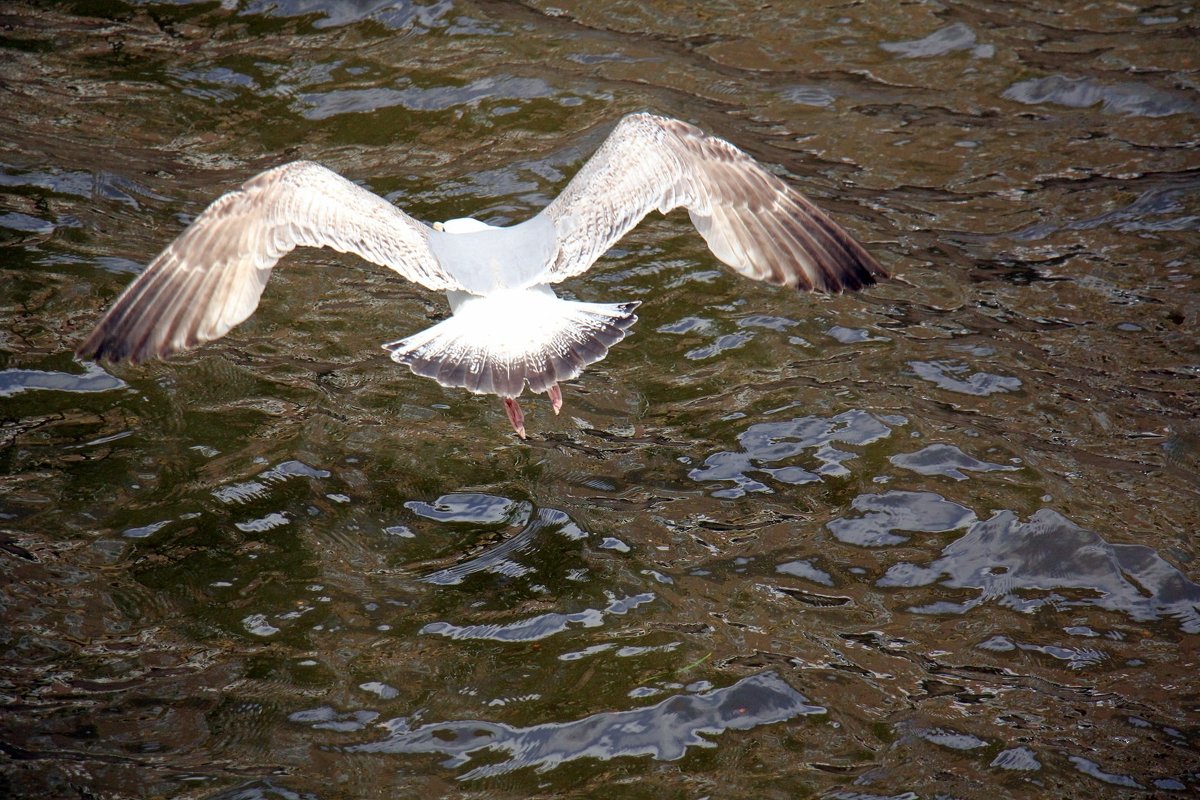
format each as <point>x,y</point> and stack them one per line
<point>211,277</point>
<point>752,220</point>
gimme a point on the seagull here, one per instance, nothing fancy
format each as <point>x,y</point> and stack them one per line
<point>507,328</point>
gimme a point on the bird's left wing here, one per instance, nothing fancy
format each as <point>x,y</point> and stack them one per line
<point>211,277</point>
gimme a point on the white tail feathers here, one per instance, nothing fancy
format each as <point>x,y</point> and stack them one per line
<point>498,343</point>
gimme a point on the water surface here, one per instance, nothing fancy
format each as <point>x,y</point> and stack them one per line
<point>935,539</point>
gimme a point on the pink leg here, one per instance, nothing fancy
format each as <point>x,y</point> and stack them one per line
<point>555,395</point>
<point>515,415</point>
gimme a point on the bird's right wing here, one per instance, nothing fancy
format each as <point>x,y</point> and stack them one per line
<point>211,277</point>
<point>752,220</point>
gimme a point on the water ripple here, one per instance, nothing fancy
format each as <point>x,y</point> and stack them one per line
<point>1157,209</point>
<point>99,184</point>
<point>945,459</point>
<point>924,512</point>
<point>329,719</point>
<point>258,625</point>
<point>949,39</point>
<point>145,531</point>
<point>663,731</point>
<point>323,105</point>
<point>1091,768</point>
<point>541,626</point>
<point>1076,658</point>
<point>16,221</point>
<point>393,14</point>
<point>1132,99</point>
<point>1017,758</point>
<point>853,335</point>
<point>955,740</point>
<point>1002,557</point>
<point>252,490</point>
<point>93,379</point>
<point>980,384</point>
<point>474,507</point>
<point>770,442</point>
<point>807,570</point>
<point>263,524</point>
<point>728,341</point>
<point>497,559</point>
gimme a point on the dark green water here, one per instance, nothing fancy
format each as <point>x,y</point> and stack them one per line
<point>936,539</point>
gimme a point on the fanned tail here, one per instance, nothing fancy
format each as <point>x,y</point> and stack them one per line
<point>499,343</point>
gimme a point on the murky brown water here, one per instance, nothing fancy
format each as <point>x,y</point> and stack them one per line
<point>937,539</point>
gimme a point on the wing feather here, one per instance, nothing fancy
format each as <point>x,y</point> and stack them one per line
<point>752,220</point>
<point>212,276</point>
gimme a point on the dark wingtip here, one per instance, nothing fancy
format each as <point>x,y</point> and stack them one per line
<point>93,349</point>
<point>854,269</point>
<point>867,272</point>
<point>99,347</point>
<point>627,310</point>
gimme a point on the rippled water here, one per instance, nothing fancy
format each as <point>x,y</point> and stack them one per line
<point>936,539</point>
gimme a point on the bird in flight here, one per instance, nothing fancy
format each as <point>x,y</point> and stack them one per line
<point>507,328</point>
